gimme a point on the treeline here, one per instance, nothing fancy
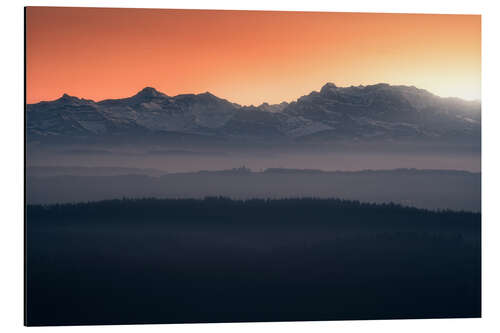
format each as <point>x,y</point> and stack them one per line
<point>256,211</point>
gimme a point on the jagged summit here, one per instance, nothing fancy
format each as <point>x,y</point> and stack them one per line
<point>150,92</point>
<point>65,96</point>
<point>273,107</point>
<point>208,96</point>
<point>329,85</point>
<point>67,99</point>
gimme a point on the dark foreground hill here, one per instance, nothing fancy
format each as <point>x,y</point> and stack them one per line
<point>221,260</point>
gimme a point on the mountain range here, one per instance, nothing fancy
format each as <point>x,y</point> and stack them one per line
<point>356,113</point>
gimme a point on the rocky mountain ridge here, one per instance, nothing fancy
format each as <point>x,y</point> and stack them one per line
<point>381,111</point>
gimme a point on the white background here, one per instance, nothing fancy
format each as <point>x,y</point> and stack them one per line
<point>11,157</point>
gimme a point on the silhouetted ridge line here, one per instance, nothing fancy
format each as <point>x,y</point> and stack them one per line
<point>222,209</point>
<point>334,114</point>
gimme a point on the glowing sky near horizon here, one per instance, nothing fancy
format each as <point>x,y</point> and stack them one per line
<point>247,57</point>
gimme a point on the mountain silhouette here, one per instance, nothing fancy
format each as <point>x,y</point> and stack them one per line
<point>364,113</point>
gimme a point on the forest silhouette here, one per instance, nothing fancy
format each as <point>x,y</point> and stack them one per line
<point>222,260</point>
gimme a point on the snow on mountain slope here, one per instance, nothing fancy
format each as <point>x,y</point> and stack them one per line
<point>375,111</point>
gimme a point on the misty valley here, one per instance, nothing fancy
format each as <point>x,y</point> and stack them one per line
<point>430,189</point>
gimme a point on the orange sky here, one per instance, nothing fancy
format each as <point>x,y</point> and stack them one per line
<point>248,57</point>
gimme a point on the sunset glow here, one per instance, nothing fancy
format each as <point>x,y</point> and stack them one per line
<point>247,57</point>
